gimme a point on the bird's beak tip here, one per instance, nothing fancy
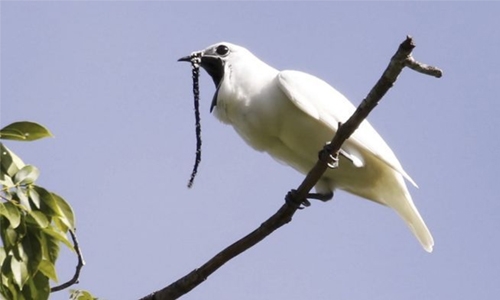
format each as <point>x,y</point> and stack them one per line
<point>185,58</point>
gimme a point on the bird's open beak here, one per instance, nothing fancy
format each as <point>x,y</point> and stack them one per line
<point>214,67</point>
<point>211,63</point>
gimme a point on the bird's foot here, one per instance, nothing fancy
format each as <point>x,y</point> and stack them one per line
<point>292,199</point>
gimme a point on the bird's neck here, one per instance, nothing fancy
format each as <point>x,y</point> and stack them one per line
<point>242,84</point>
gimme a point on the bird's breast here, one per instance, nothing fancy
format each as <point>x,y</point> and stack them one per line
<point>254,110</point>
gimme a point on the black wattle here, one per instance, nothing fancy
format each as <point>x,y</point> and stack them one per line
<point>214,99</point>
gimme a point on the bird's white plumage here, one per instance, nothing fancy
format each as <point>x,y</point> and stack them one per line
<point>291,115</point>
<point>321,101</point>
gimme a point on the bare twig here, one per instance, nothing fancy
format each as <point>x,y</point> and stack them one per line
<point>79,266</point>
<point>284,215</point>
<point>411,63</point>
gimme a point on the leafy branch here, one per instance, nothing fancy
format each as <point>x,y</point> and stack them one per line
<point>33,223</point>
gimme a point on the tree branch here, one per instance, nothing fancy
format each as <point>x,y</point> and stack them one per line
<point>401,59</point>
<point>79,266</point>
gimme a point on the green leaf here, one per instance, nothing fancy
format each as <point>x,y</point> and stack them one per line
<point>11,237</point>
<point>3,210</point>
<point>5,266</point>
<point>19,270</point>
<point>5,180</point>
<point>12,214</point>
<point>34,196</point>
<point>23,199</point>
<point>61,237</point>
<point>50,247</point>
<point>24,131</point>
<point>6,275</point>
<point>59,224</point>
<point>48,269</point>
<point>64,211</point>
<point>14,238</point>
<point>80,295</point>
<point>39,218</point>
<point>46,201</point>
<point>3,255</point>
<point>10,163</point>
<point>27,175</point>
<point>11,292</point>
<point>33,250</point>
<point>54,205</point>
<point>4,292</point>
<point>37,288</point>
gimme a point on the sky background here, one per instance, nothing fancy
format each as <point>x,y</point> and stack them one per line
<point>103,77</point>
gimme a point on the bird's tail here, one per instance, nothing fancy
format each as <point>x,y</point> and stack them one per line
<point>418,227</point>
<point>404,206</point>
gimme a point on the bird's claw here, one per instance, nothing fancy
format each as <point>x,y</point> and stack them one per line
<point>325,155</point>
<point>333,163</point>
<point>292,199</point>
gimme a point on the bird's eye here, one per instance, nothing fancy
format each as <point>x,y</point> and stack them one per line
<point>222,50</point>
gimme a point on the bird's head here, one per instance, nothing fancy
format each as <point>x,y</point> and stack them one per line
<point>217,60</point>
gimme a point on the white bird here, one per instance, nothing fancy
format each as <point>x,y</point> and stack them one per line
<point>291,115</point>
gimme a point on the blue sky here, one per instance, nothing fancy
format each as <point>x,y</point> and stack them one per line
<point>103,77</point>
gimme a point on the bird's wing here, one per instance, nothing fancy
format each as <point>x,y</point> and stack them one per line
<point>322,102</point>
